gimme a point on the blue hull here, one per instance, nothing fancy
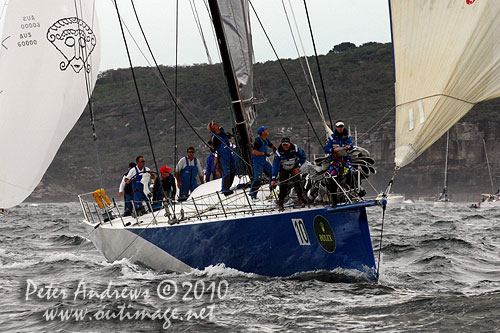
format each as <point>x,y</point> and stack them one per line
<point>278,244</point>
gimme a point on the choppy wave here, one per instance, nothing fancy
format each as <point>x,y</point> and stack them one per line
<point>441,262</point>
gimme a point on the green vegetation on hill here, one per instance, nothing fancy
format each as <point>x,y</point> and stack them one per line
<point>358,82</point>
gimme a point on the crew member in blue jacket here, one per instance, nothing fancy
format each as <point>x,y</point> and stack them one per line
<point>337,145</point>
<point>186,173</point>
<point>339,140</point>
<point>211,171</point>
<point>287,161</point>
<point>221,144</point>
<point>260,164</point>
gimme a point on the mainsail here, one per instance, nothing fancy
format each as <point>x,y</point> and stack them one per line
<point>49,60</point>
<point>235,18</point>
<point>447,58</point>
<point>232,27</point>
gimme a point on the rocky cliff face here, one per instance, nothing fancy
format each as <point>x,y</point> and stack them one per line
<point>467,169</point>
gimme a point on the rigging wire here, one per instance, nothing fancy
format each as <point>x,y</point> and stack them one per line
<point>224,90</point>
<point>200,30</point>
<point>88,83</point>
<point>488,164</point>
<point>377,123</point>
<point>176,75</point>
<point>308,82</point>
<point>317,63</point>
<point>328,130</point>
<point>186,109</point>
<point>136,87</point>
<point>286,74</point>
<point>380,243</point>
<point>174,98</point>
<point>88,79</point>
<point>384,206</point>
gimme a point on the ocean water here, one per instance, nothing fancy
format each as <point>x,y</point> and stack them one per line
<point>440,271</point>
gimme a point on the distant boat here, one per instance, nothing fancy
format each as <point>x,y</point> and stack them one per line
<point>443,198</point>
<point>488,200</point>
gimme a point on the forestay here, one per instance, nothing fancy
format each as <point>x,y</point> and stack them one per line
<point>49,61</point>
<point>235,17</point>
<point>447,58</point>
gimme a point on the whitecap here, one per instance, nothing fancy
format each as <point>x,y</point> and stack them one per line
<point>59,256</point>
<point>19,264</point>
<point>220,270</point>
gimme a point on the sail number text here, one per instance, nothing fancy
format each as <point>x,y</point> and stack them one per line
<point>29,22</point>
<point>301,232</point>
<point>25,40</point>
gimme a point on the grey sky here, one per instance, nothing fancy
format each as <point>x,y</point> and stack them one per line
<point>333,22</point>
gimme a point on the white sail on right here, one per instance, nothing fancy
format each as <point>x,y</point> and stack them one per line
<point>49,61</point>
<point>447,58</point>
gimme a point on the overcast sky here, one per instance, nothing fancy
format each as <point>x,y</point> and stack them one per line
<point>333,22</point>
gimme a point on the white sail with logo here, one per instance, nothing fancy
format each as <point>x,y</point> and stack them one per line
<point>49,60</point>
<point>235,17</point>
<point>447,59</point>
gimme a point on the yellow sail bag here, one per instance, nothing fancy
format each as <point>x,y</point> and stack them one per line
<point>101,198</point>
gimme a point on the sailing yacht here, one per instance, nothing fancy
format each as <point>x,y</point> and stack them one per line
<point>208,228</point>
<point>488,200</point>
<point>52,48</point>
<point>443,200</point>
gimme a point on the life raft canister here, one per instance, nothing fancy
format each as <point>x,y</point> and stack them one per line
<point>99,197</point>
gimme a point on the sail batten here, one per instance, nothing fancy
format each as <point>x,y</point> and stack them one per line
<point>447,58</point>
<point>48,68</point>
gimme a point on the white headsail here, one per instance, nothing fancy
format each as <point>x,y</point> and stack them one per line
<point>49,60</point>
<point>447,58</point>
<point>235,17</point>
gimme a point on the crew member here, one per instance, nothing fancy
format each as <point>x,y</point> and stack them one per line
<point>186,172</point>
<point>167,187</point>
<point>221,144</point>
<point>135,177</point>
<point>211,172</point>
<point>127,190</point>
<point>339,140</point>
<point>338,145</point>
<point>287,161</point>
<point>259,161</point>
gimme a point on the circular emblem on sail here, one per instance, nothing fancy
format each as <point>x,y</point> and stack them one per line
<point>324,234</point>
<point>470,2</point>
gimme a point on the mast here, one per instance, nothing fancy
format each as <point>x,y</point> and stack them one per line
<point>176,77</point>
<point>488,164</point>
<point>242,135</point>
<point>356,143</point>
<point>445,189</point>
